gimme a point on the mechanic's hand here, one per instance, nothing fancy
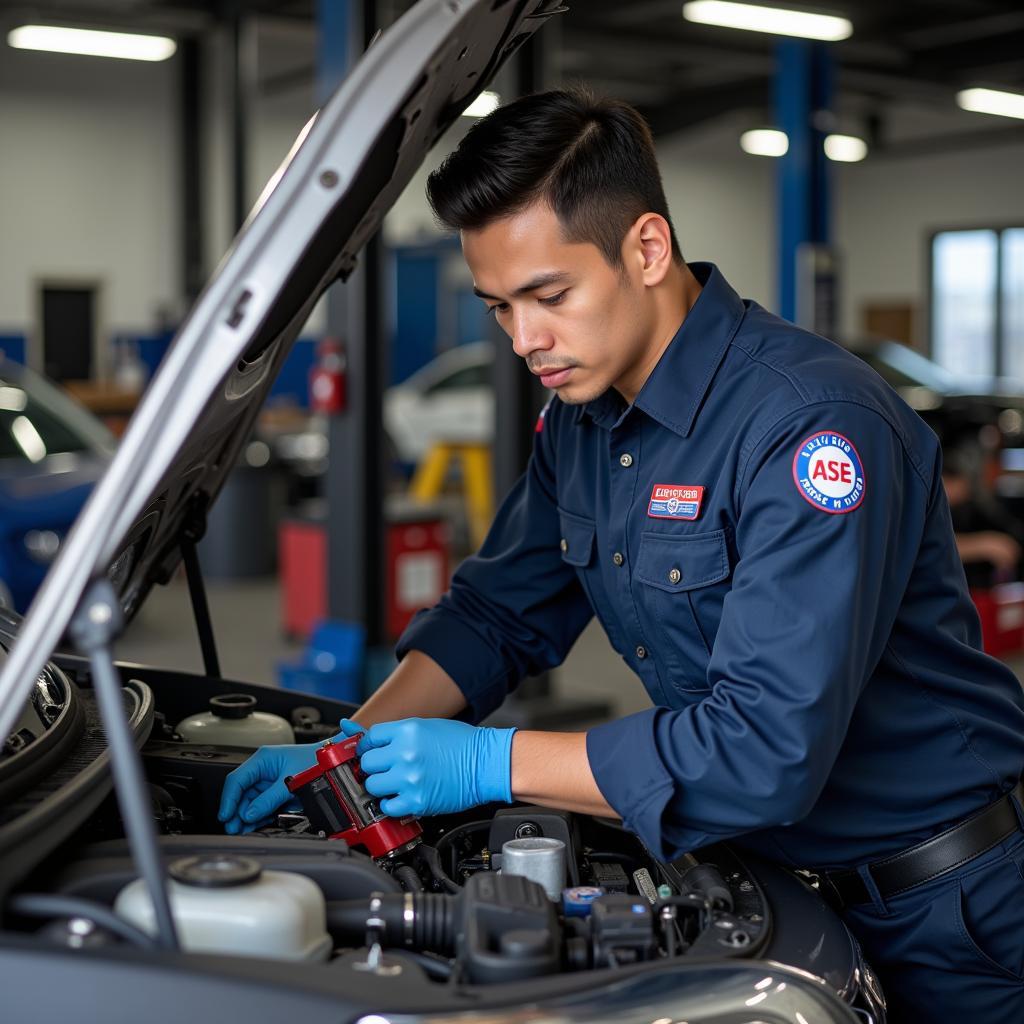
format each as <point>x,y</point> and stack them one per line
<point>434,765</point>
<point>256,789</point>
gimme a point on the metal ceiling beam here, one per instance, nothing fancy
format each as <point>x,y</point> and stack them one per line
<point>690,107</point>
<point>954,142</point>
<point>973,57</point>
<point>646,49</point>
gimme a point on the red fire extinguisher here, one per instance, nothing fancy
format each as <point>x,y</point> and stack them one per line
<point>327,391</point>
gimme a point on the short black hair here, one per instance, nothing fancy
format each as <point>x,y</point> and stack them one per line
<point>592,160</point>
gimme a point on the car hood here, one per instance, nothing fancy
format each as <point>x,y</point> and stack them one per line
<point>330,196</point>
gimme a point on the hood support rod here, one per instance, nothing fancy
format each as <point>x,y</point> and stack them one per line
<point>200,608</point>
<point>96,624</point>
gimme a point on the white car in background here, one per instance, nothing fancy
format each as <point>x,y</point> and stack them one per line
<point>449,399</point>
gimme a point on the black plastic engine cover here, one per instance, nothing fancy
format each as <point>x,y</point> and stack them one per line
<point>622,929</point>
<point>508,930</point>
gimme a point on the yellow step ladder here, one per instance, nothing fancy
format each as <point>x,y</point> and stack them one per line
<point>477,481</point>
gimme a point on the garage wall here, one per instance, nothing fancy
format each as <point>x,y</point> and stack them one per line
<point>723,211</point>
<point>887,207</point>
<point>90,187</point>
<point>88,183</point>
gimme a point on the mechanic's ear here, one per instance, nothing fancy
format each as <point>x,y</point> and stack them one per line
<point>653,247</point>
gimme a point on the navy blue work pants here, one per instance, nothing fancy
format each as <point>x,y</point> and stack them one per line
<point>951,951</point>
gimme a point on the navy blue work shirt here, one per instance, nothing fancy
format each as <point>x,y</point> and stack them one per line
<point>764,537</point>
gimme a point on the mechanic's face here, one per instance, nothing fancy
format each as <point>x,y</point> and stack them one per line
<point>581,325</point>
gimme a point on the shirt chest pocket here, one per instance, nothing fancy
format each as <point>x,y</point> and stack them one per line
<point>681,583</point>
<point>578,538</point>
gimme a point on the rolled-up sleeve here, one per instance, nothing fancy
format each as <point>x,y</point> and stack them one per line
<point>815,593</point>
<point>515,608</point>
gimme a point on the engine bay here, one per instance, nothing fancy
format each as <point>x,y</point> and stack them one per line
<point>478,902</point>
<point>445,901</point>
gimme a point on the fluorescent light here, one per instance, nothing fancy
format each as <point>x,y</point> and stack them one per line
<point>91,43</point>
<point>992,101</point>
<point>847,149</point>
<point>764,142</point>
<point>12,399</point>
<point>29,441</point>
<point>772,142</point>
<point>775,20</point>
<point>484,104</point>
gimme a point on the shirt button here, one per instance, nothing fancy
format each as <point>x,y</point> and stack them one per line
<point>617,558</point>
<point>626,460</point>
<point>675,576</point>
<point>564,545</point>
<point>641,652</point>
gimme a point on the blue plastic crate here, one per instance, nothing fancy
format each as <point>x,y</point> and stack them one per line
<point>331,664</point>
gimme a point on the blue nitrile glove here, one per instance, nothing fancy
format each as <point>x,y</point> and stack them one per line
<point>256,789</point>
<point>434,765</point>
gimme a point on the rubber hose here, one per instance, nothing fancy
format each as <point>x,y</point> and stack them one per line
<point>47,905</point>
<point>408,877</point>
<point>433,924</point>
<point>431,859</point>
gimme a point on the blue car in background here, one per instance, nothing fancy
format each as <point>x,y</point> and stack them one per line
<point>52,452</point>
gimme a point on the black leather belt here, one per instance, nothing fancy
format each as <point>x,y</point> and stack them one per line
<point>944,852</point>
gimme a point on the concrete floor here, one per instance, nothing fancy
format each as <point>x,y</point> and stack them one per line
<point>250,642</point>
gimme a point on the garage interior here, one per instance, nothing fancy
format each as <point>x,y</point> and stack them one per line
<point>208,126</point>
<point>866,188</point>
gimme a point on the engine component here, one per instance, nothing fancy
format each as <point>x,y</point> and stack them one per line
<point>102,870</point>
<point>707,880</point>
<point>622,930</point>
<point>225,904</point>
<point>529,822</point>
<point>419,921</point>
<point>508,930</point>
<point>538,858</point>
<point>576,902</point>
<point>233,721</point>
<point>337,804</point>
<point>610,876</point>
<point>500,927</point>
<point>309,726</point>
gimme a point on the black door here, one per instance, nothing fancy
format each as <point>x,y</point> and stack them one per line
<point>68,326</point>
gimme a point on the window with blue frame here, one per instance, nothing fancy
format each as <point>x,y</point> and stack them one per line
<point>977,307</point>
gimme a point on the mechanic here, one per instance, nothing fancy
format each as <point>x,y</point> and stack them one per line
<point>988,538</point>
<point>759,524</point>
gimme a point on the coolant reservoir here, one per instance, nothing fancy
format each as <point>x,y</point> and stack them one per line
<point>234,721</point>
<point>228,904</point>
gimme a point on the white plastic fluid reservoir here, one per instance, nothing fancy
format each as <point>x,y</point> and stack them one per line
<point>228,904</point>
<point>234,721</point>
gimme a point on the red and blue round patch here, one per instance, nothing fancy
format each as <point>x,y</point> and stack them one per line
<point>828,473</point>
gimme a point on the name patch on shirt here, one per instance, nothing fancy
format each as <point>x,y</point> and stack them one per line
<point>675,501</point>
<point>828,473</point>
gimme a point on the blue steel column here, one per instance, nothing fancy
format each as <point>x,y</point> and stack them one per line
<point>803,98</point>
<point>354,482</point>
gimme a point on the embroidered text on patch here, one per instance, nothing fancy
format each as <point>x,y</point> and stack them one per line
<point>675,501</point>
<point>828,473</point>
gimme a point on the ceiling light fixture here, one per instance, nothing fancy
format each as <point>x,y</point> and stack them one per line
<point>484,104</point>
<point>775,20</point>
<point>764,142</point>
<point>845,149</point>
<point>992,101</point>
<point>772,142</point>
<point>90,42</point>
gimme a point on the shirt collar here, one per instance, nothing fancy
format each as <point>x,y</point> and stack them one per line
<point>674,391</point>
